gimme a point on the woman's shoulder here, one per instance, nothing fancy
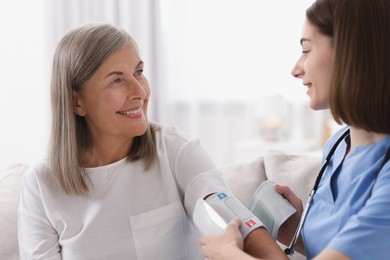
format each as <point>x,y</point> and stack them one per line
<point>36,172</point>
<point>171,133</point>
<point>174,141</point>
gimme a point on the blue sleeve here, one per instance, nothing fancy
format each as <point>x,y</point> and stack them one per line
<point>367,233</point>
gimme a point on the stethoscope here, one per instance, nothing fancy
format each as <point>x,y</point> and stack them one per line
<point>291,248</point>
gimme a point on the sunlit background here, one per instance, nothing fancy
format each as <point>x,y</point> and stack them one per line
<point>219,69</point>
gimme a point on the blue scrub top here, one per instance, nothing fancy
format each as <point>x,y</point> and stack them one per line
<point>350,211</point>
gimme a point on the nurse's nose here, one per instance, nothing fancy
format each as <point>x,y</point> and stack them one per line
<point>297,70</point>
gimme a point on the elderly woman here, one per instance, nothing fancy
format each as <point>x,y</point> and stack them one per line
<point>114,186</point>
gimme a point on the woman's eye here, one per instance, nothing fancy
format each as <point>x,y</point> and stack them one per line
<point>116,81</point>
<point>304,52</point>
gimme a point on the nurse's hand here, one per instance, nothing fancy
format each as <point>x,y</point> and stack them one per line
<point>223,246</point>
<point>229,245</point>
<point>287,230</point>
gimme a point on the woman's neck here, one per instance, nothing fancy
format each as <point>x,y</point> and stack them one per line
<point>104,153</point>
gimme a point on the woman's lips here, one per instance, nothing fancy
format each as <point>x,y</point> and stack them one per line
<point>131,112</point>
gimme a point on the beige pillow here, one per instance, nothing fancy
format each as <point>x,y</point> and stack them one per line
<point>296,171</point>
<point>244,178</point>
<point>10,180</point>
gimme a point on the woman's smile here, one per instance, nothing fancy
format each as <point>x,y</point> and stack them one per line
<point>135,112</point>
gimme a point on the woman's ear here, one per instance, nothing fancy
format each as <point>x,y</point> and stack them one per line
<point>78,107</point>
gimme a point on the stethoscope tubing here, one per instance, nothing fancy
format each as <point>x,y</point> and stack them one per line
<point>291,248</point>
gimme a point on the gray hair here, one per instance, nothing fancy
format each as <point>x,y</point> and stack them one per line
<point>78,55</point>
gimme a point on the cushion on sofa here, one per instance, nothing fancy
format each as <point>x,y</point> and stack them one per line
<point>9,200</point>
<point>244,178</point>
<point>296,171</point>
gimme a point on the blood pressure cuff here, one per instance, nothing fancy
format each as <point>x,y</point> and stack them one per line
<point>229,207</point>
<point>270,207</point>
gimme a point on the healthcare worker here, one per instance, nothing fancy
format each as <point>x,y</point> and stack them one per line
<point>345,66</point>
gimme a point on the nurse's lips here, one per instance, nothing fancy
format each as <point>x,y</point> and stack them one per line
<point>307,84</point>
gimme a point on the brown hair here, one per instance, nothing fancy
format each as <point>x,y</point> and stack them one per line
<point>78,55</point>
<point>360,90</point>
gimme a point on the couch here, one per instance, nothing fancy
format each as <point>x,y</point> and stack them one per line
<point>296,171</point>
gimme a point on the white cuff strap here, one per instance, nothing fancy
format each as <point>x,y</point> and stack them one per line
<point>270,207</point>
<point>229,207</point>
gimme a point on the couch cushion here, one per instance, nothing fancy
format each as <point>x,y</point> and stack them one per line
<point>296,171</point>
<point>9,199</point>
<point>244,178</point>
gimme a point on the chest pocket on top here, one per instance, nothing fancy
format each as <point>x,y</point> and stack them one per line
<point>159,234</point>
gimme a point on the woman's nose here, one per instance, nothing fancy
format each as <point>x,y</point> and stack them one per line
<point>136,89</point>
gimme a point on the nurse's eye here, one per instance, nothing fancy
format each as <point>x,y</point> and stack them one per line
<point>305,52</point>
<point>139,72</point>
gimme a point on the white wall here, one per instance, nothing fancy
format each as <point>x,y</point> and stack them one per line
<point>24,89</point>
<point>227,70</point>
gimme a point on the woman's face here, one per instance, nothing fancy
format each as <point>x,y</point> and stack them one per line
<point>315,66</point>
<point>114,100</point>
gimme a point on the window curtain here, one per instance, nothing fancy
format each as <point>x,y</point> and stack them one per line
<point>226,76</point>
<point>193,54</point>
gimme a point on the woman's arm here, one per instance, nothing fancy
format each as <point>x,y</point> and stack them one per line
<point>36,236</point>
<point>229,245</point>
<point>260,244</point>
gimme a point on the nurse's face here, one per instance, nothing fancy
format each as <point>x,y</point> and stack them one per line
<point>315,66</point>
<point>114,100</point>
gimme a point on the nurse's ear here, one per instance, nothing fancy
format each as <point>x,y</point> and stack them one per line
<point>78,107</point>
